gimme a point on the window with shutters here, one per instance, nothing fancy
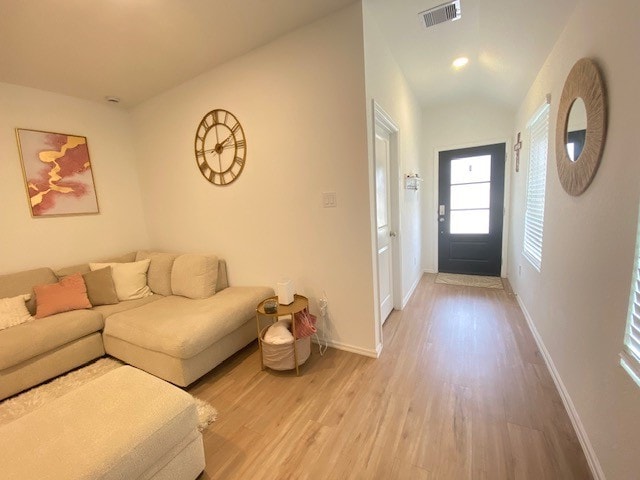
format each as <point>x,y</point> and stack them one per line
<point>538,128</point>
<point>630,356</point>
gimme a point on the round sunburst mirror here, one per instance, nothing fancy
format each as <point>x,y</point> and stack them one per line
<point>581,127</point>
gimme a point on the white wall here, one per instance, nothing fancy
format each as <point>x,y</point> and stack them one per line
<point>578,302</point>
<point>386,84</point>
<point>301,103</point>
<point>27,242</point>
<point>467,123</point>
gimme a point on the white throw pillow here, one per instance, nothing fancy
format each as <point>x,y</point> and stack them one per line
<point>130,279</point>
<point>13,311</point>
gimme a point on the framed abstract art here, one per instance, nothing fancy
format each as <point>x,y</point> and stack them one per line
<point>57,173</point>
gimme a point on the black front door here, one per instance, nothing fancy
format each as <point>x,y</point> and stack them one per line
<point>470,210</point>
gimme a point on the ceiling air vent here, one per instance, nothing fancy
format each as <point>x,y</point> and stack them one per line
<point>449,11</point>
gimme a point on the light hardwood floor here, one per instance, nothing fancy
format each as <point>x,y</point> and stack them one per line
<point>459,392</point>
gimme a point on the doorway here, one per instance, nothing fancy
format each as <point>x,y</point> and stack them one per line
<point>385,234</point>
<point>471,210</point>
<point>386,216</point>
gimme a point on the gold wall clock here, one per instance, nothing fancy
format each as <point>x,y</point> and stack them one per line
<point>220,147</point>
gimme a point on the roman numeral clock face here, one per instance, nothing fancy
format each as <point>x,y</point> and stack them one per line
<point>220,147</point>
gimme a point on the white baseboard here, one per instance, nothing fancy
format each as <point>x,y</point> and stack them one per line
<point>429,270</point>
<point>590,454</point>
<point>406,298</point>
<point>349,348</point>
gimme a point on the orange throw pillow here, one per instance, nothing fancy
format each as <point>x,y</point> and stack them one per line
<point>70,293</point>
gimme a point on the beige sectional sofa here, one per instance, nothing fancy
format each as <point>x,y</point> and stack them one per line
<point>191,323</point>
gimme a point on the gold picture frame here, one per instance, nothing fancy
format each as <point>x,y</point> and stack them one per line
<point>57,173</point>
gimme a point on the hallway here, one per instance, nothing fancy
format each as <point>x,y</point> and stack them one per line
<point>459,392</point>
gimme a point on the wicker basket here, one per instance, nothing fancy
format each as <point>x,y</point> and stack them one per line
<point>280,357</point>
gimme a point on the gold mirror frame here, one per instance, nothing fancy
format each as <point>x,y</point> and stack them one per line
<point>584,81</point>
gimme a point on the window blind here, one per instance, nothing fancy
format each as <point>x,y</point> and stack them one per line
<point>630,356</point>
<point>536,182</point>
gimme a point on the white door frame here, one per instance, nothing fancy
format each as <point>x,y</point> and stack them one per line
<point>507,194</point>
<point>383,120</point>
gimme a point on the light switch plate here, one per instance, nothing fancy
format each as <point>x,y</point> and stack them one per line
<point>329,199</point>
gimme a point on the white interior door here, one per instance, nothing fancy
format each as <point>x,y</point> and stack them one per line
<point>385,257</point>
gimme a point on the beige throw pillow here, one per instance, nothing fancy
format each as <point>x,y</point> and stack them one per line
<point>194,276</point>
<point>130,279</point>
<point>13,311</point>
<point>100,287</point>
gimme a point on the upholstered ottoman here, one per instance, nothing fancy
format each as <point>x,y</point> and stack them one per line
<point>125,424</point>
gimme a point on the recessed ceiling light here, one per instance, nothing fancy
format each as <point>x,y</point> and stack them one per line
<point>460,62</point>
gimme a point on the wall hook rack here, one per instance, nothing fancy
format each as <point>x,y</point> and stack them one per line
<point>412,181</point>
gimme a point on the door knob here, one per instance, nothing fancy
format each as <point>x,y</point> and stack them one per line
<point>392,234</point>
<point>441,219</point>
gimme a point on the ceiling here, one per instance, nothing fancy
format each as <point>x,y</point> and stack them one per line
<point>506,41</point>
<point>136,49</point>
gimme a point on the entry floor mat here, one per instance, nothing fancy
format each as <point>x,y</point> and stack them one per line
<point>469,280</point>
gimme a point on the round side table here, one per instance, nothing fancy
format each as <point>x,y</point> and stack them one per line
<point>299,303</point>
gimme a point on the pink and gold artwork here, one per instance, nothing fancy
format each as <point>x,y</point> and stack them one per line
<point>57,172</point>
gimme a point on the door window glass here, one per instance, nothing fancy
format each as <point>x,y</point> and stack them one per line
<point>471,170</point>
<point>470,195</point>
<point>470,221</point>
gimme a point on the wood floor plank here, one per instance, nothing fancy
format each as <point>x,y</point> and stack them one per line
<point>403,470</point>
<point>532,458</point>
<point>490,440</point>
<point>459,392</point>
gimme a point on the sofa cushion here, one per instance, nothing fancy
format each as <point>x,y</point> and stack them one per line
<point>68,294</point>
<point>23,282</point>
<point>84,267</point>
<point>222,281</point>
<point>13,311</point>
<point>159,274</point>
<point>30,339</point>
<point>130,278</point>
<point>125,258</point>
<point>66,271</point>
<point>194,276</point>
<point>182,327</point>
<point>100,287</point>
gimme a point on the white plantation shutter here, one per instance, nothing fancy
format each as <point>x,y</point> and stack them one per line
<point>536,181</point>
<point>630,356</point>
